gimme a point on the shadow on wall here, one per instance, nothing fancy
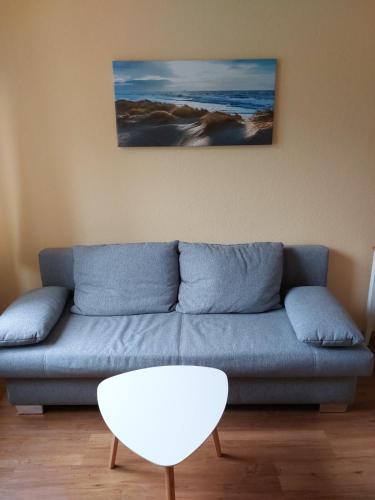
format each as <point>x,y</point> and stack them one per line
<point>341,272</point>
<point>9,285</point>
<point>41,215</point>
<point>8,278</point>
<point>46,218</point>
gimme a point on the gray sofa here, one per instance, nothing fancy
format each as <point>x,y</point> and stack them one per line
<point>265,361</point>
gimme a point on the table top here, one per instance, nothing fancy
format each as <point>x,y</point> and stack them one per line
<point>164,413</point>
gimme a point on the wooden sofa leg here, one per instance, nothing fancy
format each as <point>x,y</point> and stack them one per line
<point>29,409</point>
<point>333,408</point>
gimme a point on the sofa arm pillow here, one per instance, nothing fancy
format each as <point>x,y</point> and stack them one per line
<point>243,278</point>
<point>30,318</point>
<point>318,319</point>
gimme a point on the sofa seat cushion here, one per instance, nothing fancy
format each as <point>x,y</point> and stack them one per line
<point>263,345</point>
<point>242,345</point>
<point>89,346</point>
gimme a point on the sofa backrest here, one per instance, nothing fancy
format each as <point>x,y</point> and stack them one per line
<point>304,265</point>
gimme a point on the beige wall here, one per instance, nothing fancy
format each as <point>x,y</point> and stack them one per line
<point>64,180</point>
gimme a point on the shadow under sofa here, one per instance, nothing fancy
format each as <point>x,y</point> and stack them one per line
<point>261,354</point>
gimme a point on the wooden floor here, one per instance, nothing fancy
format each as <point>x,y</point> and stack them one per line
<point>269,453</point>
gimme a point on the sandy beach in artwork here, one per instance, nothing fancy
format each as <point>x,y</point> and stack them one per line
<point>194,103</point>
<point>145,122</point>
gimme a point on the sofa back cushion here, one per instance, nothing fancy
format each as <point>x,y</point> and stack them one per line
<point>133,278</point>
<point>304,265</point>
<point>243,278</point>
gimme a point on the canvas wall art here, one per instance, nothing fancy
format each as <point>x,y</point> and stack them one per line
<point>194,103</point>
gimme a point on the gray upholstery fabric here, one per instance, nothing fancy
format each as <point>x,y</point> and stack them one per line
<point>248,345</point>
<point>242,278</point>
<point>263,345</point>
<point>292,390</point>
<point>89,346</point>
<point>303,265</point>
<point>318,318</point>
<point>29,319</point>
<point>135,278</point>
<point>241,391</point>
<point>56,267</point>
<point>260,352</point>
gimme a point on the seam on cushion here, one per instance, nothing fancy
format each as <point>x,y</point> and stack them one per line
<point>348,336</point>
<point>314,363</point>
<point>179,339</point>
<point>31,340</point>
<point>320,341</point>
<point>20,341</point>
<point>44,364</point>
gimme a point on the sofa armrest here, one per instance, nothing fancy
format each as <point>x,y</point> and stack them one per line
<point>318,318</point>
<point>30,318</point>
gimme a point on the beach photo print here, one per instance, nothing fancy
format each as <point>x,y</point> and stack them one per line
<point>194,103</point>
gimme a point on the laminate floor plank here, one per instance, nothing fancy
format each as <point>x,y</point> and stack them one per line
<point>269,453</point>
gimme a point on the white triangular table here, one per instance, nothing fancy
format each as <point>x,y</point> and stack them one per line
<point>164,413</point>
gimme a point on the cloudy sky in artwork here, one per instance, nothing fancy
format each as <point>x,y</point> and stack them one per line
<point>156,76</point>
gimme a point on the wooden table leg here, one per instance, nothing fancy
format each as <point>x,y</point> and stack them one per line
<point>169,482</point>
<point>215,435</point>
<point>113,452</point>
